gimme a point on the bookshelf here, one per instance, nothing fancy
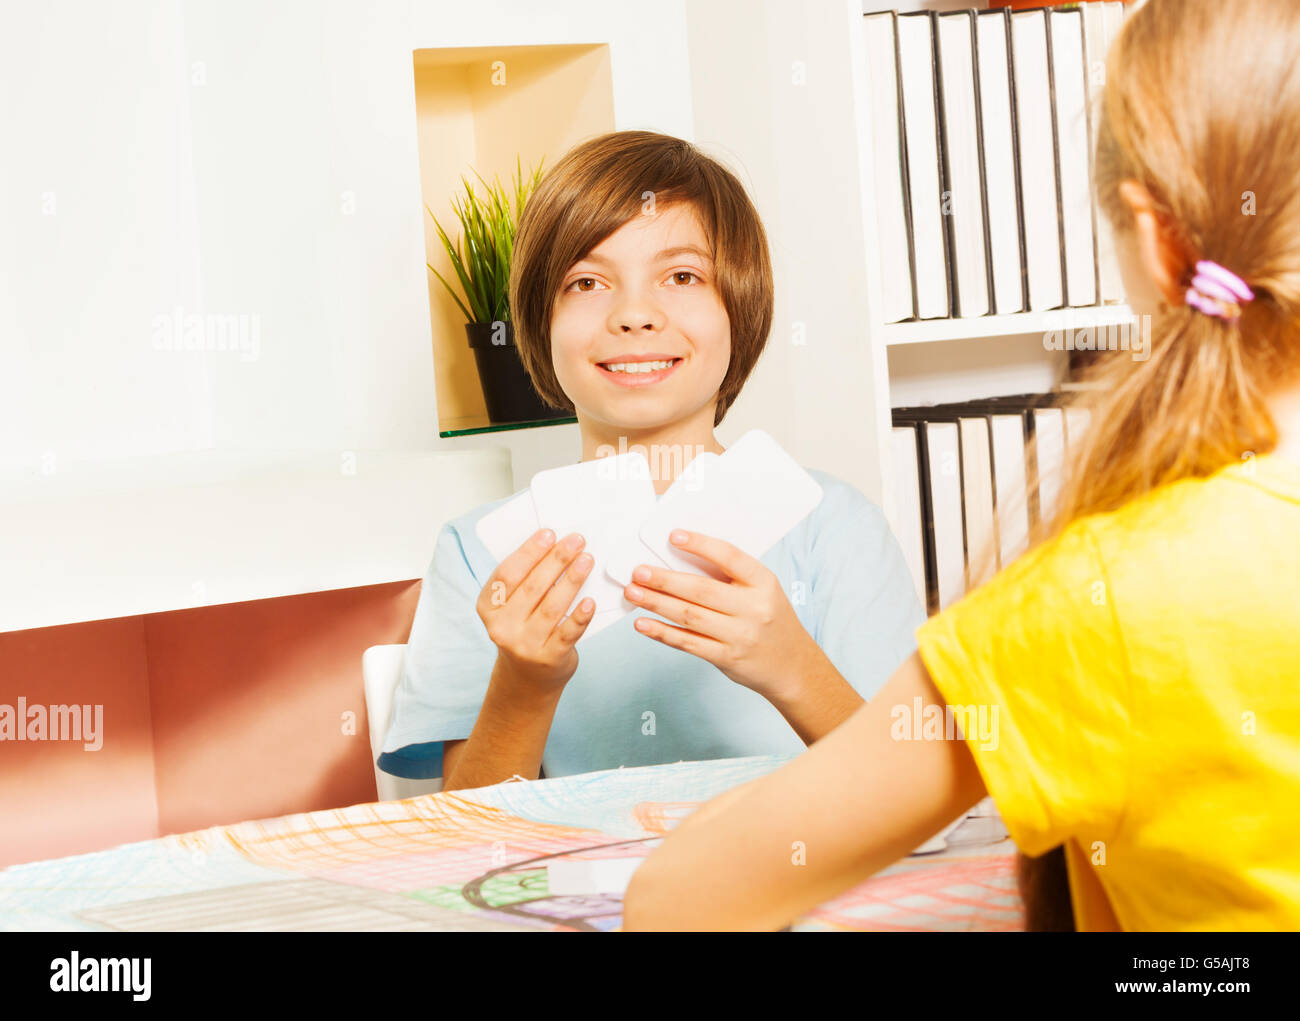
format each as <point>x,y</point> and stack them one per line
<point>927,331</point>
<point>946,360</point>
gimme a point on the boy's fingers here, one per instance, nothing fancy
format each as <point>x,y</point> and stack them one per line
<point>734,561</point>
<point>696,644</point>
<point>515,567</point>
<point>721,596</point>
<point>556,602</point>
<point>571,628</point>
<point>692,616</point>
<point>532,590</point>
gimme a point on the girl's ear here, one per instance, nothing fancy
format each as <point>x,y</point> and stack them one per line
<point>1159,252</point>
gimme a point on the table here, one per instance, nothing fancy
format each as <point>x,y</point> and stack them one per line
<point>469,860</point>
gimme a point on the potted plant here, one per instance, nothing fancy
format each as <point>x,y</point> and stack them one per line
<point>481,261</point>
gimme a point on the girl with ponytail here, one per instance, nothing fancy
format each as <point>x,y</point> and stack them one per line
<point>1141,660</point>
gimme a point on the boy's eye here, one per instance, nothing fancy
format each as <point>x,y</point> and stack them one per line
<point>685,273</point>
<point>581,284</point>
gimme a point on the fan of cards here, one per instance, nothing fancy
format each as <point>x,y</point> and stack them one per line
<point>751,495</point>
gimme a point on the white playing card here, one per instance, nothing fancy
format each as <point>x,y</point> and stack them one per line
<point>505,529</point>
<point>604,500</point>
<point>751,498</point>
<point>631,551</point>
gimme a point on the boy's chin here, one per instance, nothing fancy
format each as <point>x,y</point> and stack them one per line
<point>624,419</point>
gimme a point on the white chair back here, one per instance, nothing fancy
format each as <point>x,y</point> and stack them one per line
<point>381,671</point>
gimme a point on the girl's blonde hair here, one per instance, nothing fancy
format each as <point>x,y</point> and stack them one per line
<point>1202,107</point>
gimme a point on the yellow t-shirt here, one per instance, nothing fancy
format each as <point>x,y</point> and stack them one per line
<point>1143,672</point>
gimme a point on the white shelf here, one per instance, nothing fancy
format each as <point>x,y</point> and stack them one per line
<point>929,330</point>
<point>147,535</point>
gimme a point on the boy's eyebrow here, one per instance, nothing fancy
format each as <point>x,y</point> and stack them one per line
<point>667,253</point>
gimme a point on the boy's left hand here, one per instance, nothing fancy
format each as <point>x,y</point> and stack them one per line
<point>745,627</point>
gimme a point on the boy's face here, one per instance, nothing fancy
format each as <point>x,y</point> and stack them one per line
<point>645,296</point>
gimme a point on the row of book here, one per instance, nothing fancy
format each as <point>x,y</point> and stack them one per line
<point>983,128</point>
<point>970,482</point>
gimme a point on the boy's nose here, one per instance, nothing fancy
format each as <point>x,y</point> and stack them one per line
<point>638,313</point>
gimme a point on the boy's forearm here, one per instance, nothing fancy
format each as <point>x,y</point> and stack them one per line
<point>509,736</point>
<point>817,698</point>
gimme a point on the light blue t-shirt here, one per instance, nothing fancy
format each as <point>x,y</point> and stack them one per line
<point>633,701</point>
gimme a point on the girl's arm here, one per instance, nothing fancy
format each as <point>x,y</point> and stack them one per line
<point>856,801</point>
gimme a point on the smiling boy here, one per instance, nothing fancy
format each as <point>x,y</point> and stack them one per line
<point>641,293</point>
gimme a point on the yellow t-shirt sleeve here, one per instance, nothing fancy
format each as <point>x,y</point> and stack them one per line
<point>1039,646</point>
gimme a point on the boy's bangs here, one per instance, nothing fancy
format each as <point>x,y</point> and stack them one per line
<point>588,222</point>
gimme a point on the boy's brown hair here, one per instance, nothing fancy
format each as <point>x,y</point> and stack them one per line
<point>594,190</point>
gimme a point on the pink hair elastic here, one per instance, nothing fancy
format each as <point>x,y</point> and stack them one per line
<point>1217,291</point>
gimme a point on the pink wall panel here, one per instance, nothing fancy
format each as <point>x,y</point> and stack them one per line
<point>211,715</point>
<point>56,797</point>
<point>249,702</point>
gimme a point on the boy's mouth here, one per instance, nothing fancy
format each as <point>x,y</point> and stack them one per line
<point>639,370</point>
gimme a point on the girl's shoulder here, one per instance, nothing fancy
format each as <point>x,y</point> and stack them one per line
<point>1264,489</point>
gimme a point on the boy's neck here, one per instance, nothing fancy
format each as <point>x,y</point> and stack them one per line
<point>669,448</point>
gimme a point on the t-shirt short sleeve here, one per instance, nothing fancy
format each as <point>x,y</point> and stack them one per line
<point>863,601</point>
<point>447,666</point>
<point>1039,649</point>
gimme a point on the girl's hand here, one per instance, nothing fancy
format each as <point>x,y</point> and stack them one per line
<point>745,627</point>
<point>523,607</point>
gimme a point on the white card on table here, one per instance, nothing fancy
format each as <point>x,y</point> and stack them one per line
<point>632,551</point>
<point>587,876</point>
<point>603,500</point>
<point>751,497</point>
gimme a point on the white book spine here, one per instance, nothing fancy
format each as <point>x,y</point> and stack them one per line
<point>964,200</point>
<point>1097,44</point>
<point>1010,486</point>
<point>1037,160</point>
<point>891,210</point>
<point>921,141</point>
<point>999,165</point>
<point>945,496</point>
<point>1070,92</point>
<point>977,492</point>
<point>905,507</point>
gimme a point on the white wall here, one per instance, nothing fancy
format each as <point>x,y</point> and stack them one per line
<point>775,96</point>
<point>255,159</point>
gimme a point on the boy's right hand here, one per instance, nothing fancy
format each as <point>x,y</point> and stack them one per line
<point>523,607</point>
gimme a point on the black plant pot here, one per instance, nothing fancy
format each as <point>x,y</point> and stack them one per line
<point>507,390</point>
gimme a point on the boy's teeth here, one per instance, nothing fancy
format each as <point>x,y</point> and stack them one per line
<point>638,366</point>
